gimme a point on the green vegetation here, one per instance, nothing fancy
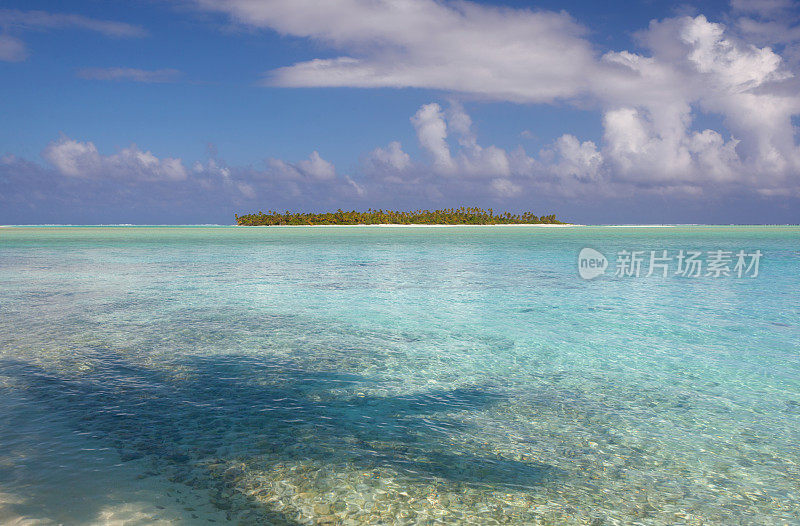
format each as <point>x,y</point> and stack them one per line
<point>448,216</point>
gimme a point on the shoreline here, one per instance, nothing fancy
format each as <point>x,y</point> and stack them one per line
<point>397,225</point>
<point>381,225</point>
<point>401,225</point>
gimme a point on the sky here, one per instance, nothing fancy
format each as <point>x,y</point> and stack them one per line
<point>189,111</point>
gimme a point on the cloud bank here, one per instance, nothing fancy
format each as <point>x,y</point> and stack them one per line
<point>653,103</point>
<point>649,101</point>
<point>81,159</point>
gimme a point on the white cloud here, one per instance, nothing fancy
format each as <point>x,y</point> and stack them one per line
<point>431,129</point>
<point>130,74</point>
<point>281,169</point>
<point>716,158</point>
<point>214,175</point>
<point>314,168</point>
<point>572,158</point>
<point>213,169</point>
<point>500,53</point>
<point>735,67</point>
<point>479,161</point>
<point>763,8</point>
<point>247,190</point>
<point>73,158</point>
<point>769,32</point>
<point>12,20</point>
<point>27,20</point>
<point>392,158</point>
<point>697,64</point>
<point>359,189</point>
<point>643,150</point>
<point>471,159</point>
<point>82,159</point>
<point>649,101</point>
<point>505,188</point>
<point>768,22</point>
<point>461,124</point>
<point>12,49</point>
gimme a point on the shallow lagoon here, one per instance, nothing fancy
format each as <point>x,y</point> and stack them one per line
<point>374,375</point>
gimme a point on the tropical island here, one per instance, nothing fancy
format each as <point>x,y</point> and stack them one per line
<point>448,216</point>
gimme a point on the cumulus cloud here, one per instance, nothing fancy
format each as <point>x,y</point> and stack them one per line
<point>695,64</point>
<point>641,147</point>
<point>82,159</point>
<point>643,150</point>
<point>735,67</point>
<point>316,167</point>
<point>313,168</point>
<point>649,101</point>
<point>571,158</point>
<point>78,180</point>
<point>473,159</point>
<point>392,158</point>
<point>432,135</point>
<point>212,170</point>
<point>130,74</point>
<point>433,125</point>
<point>566,163</point>
<point>214,176</point>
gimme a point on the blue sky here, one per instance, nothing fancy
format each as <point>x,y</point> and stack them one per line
<point>189,111</point>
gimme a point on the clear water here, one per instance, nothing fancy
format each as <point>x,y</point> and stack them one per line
<point>373,375</point>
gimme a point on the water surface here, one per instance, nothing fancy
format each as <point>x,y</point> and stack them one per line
<point>394,375</point>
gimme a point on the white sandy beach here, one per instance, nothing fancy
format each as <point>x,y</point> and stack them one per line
<point>394,225</point>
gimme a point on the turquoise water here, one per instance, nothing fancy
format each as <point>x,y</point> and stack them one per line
<point>369,375</point>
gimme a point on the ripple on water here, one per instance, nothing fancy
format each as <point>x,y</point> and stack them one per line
<point>275,383</point>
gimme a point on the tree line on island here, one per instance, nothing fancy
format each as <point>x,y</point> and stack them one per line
<point>448,216</point>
